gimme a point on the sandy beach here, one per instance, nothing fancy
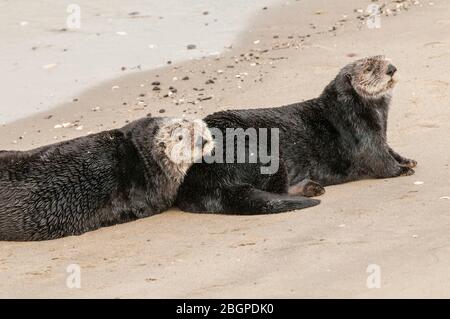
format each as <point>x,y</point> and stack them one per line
<point>286,53</point>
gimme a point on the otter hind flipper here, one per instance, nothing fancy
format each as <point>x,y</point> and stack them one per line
<point>245,200</point>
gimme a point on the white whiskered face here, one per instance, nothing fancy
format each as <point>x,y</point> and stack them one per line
<point>373,77</point>
<point>185,142</point>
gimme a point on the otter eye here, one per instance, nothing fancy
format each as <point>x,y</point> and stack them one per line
<point>369,69</point>
<point>180,137</point>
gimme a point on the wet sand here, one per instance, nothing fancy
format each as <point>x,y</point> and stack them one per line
<point>288,53</point>
<point>54,50</point>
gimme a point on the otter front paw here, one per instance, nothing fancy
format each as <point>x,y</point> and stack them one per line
<point>408,163</point>
<point>406,171</point>
<point>307,188</point>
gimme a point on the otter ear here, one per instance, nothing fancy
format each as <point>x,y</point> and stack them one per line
<point>162,144</point>
<point>348,76</point>
<point>348,79</point>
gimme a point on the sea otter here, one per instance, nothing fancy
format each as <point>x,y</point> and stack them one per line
<point>335,138</point>
<point>97,180</point>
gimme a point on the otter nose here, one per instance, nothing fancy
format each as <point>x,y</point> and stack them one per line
<point>391,70</point>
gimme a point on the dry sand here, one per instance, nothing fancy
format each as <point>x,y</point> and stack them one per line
<point>398,224</point>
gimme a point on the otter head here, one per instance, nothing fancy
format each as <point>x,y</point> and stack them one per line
<point>183,142</point>
<point>372,77</point>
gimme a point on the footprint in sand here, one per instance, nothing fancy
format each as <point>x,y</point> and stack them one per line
<point>443,22</point>
<point>324,69</point>
<point>436,87</point>
<point>428,125</point>
<point>440,56</point>
<point>435,44</point>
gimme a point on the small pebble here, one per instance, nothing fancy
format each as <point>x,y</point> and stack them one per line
<point>49,66</point>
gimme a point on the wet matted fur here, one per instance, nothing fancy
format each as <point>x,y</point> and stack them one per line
<point>102,179</point>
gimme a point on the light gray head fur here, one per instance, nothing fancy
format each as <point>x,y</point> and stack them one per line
<point>180,142</point>
<point>372,77</point>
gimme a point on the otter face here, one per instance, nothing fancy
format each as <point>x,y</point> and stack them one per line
<point>373,77</point>
<point>184,142</point>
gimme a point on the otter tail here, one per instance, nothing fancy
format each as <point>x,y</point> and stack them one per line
<point>243,200</point>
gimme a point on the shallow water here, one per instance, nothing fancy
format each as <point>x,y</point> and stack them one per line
<point>45,62</point>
